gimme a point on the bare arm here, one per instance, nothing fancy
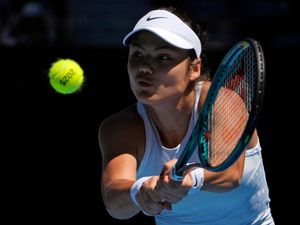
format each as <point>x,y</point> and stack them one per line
<point>119,164</point>
<point>230,178</point>
<point>121,140</point>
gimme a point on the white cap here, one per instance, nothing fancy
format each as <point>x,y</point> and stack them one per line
<point>168,27</point>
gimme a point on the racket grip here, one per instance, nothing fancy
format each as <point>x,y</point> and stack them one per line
<point>174,175</point>
<point>197,176</point>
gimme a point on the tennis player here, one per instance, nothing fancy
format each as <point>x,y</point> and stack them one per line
<point>141,143</point>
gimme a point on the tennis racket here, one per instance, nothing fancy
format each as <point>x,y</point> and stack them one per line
<point>230,112</point>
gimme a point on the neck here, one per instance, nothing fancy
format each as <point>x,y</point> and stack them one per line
<point>172,121</point>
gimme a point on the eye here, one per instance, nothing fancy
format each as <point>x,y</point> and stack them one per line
<point>136,55</point>
<point>164,57</point>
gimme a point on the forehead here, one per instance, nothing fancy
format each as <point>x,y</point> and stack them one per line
<point>146,37</point>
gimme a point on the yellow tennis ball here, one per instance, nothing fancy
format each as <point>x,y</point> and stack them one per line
<point>66,76</point>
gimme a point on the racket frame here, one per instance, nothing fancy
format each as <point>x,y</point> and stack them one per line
<point>196,139</point>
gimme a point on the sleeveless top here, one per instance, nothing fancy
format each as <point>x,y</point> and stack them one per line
<point>246,204</point>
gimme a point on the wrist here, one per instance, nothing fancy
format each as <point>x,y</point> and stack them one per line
<point>197,177</point>
<point>135,188</point>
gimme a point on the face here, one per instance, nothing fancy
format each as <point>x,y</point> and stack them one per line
<point>158,71</point>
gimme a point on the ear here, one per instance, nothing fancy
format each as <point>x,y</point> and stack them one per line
<point>195,69</point>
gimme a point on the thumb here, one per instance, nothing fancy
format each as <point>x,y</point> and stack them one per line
<point>168,167</point>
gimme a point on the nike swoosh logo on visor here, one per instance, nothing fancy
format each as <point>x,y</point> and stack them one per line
<point>154,18</point>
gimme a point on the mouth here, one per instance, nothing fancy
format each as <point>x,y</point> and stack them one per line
<point>144,83</point>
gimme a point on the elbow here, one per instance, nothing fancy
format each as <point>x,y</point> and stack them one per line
<point>233,183</point>
<point>117,213</point>
<point>221,187</point>
<point>228,186</point>
<point>119,208</point>
<point>233,178</point>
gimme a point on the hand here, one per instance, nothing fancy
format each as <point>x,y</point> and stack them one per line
<point>149,199</point>
<point>160,192</point>
<point>169,190</point>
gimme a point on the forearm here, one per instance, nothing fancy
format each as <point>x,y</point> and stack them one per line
<point>220,183</point>
<point>226,180</point>
<point>116,197</point>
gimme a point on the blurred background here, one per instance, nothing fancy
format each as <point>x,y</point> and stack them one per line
<point>51,154</point>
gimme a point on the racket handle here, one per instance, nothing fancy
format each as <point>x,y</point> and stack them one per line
<point>174,175</point>
<point>197,176</point>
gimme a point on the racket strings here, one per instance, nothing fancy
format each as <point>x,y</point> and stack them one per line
<point>232,105</point>
<point>224,136</point>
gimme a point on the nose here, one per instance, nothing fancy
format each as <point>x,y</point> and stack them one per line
<point>146,70</point>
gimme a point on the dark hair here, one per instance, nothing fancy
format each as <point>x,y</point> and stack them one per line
<point>199,31</point>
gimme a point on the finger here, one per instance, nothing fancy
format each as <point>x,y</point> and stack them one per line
<point>155,195</point>
<point>150,202</point>
<point>152,209</point>
<point>167,167</point>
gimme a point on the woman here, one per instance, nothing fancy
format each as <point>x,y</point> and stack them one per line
<point>141,143</point>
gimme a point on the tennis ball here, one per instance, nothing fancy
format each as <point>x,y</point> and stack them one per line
<point>66,76</point>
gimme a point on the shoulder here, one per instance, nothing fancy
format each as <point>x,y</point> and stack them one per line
<point>121,123</point>
<point>122,130</point>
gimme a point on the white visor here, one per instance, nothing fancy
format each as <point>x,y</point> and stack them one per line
<point>168,27</point>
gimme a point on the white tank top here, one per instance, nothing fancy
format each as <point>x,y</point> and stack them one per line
<point>247,204</point>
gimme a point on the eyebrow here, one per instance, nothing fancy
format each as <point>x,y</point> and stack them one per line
<point>157,48</point>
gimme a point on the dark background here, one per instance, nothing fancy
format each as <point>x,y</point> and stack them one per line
<point>52,160</point>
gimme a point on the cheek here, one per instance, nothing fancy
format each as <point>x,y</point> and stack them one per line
<point>130,70</point>
<point>180,74</point>
<point>132,67</point>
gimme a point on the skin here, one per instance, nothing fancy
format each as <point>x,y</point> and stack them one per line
<point>162,77</point>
